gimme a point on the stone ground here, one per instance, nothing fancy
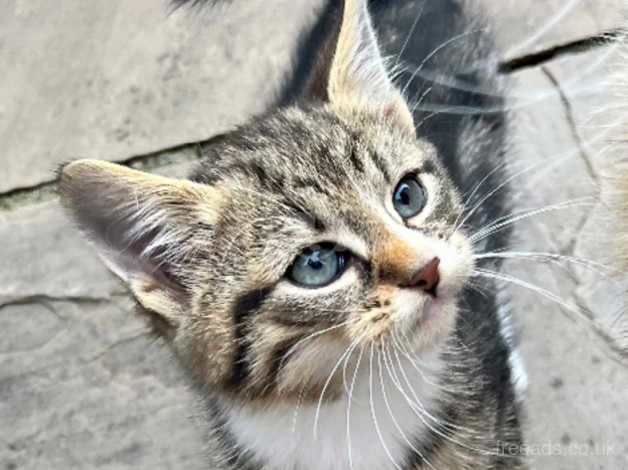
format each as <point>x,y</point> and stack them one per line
<point>82,385</point>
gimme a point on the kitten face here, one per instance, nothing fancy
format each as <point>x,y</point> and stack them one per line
<point>310,178</point>
<point>319,229</point>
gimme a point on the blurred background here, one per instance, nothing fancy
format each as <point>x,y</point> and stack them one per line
<point>82,383</point>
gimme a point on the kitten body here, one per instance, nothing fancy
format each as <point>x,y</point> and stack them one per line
<point>371,370</point>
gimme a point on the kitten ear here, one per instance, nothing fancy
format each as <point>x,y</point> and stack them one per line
<point>143,226</point>
<point>351,73</point>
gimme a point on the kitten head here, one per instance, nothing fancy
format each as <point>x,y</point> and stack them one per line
<point>318,228</point>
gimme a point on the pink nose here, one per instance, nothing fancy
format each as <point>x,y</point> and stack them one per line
<point>427,278</point>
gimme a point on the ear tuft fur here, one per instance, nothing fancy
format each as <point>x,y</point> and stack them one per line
<point>351,74</point>
<point>143,226</point>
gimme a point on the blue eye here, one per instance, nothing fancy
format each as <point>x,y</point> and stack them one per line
<point>409,198</point>
<point>318,265</point>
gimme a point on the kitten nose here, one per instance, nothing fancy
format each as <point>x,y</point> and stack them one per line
<point>427,278</point>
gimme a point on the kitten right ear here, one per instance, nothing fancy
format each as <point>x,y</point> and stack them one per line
<point>351,74</point>
<point>143,226</point>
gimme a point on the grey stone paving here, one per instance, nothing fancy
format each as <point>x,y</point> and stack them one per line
<point>81,383</point>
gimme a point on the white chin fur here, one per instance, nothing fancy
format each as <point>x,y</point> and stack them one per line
<point>284,436</point>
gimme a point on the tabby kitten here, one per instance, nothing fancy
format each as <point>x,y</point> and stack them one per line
<point>312,274</point>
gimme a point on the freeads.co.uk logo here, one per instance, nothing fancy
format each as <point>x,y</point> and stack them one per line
<point>556,448</point>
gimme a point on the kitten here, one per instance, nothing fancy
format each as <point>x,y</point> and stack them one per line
<point>313,275</point>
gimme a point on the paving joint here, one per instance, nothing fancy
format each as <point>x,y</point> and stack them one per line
<point>46,191</point>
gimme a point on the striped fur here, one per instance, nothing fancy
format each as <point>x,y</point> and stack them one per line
<point>428,380</point>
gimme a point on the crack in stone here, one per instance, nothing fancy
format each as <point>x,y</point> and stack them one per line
<point>189,152</point>
<point>573,126</point>
<point>81,360</point>
<point>45,299</point>
<point>47,190</point>
<point>560,50</point>
<point>607,343</point>
<point>127,339</point>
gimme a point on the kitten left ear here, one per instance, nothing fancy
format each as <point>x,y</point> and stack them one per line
<point>351,74</point>
<point>145,227</point>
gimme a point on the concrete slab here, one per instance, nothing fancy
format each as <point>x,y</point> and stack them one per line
<point>83,386</point>
<point>576,389</point>
<point>46,257</point>
<point>595,116</point>
<point>112,79</point>
<point>528,26</point>
<point>82,382</point>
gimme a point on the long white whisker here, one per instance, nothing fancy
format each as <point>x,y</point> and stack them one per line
<point>438,422</point>
<point>307,338</point>
<point>326,385</point>
<point>599,268</point>
<point>398,344</point>
<point>344,367</point>
<point>495,190</point>
<point>533,287</point>
<point>390,411</point>
<point>373,415</point>
<point>433,53</point>
<point>351,388</point>
<point>582,313</point>
<point>477,187</point>
<point>506,221</point>
<point>427,91</point>
<point>410,33</point>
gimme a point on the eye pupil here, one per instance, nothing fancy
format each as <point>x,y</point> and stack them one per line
<point>318,266</point>
<point>314,262</point>
<point>404,196</point>
<point>409,198</point>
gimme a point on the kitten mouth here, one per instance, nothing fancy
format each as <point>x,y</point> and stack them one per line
<point>429,317</point>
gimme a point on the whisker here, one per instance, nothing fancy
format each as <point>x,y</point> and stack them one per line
<point>494,191</point>
<point>427,91</point>
<point>528,285</point>
<point>351,388</point>
<point>477,187</point>
<point>434,52</point>
<point>410,33</point>
<point>406,353</point>
<point>327,382</point>
<point>576,86</point>
<point>440,423</point>
<point>424,120</point>
<point>390,411</point>
<point>416,405</point>
<point>599,268</point>
<point>502,222</point>
<point>344,368</point>
<point>291,351</point>
<point>580,312</point>
<point>373,415</point>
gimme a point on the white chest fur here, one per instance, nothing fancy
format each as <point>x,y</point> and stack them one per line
<point>387,413</point>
